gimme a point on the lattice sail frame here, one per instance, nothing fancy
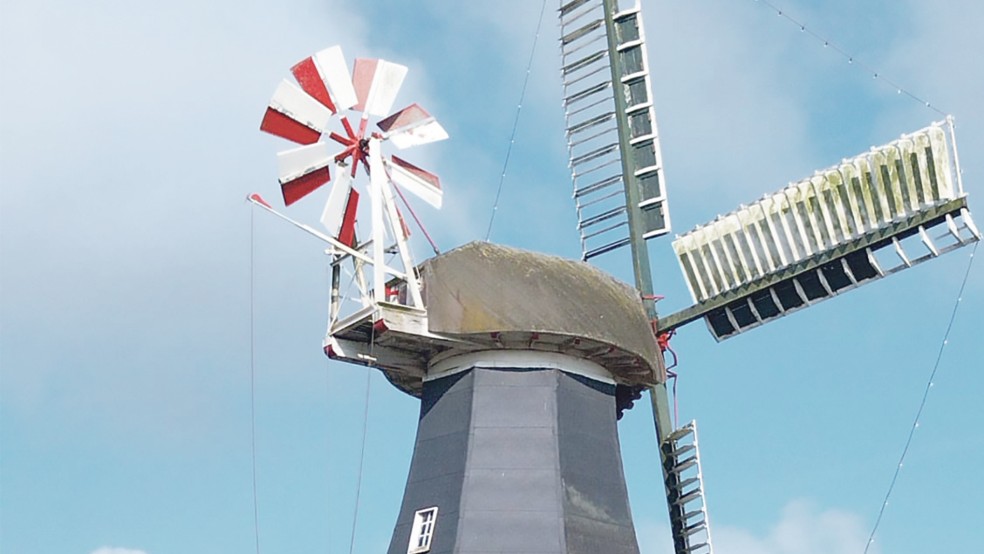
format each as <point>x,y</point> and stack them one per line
<point>825,234</point>
<point>301,112</point>
<point>615,158</point>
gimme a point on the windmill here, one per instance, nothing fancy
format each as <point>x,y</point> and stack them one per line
<point>865,218</point>
<point>517,357</point>
<point>523,360</point>
<point>301,114</point>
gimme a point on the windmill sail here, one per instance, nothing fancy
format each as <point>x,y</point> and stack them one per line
<point>827,234</point>
<point>615,157</point>
<point>685,492</point>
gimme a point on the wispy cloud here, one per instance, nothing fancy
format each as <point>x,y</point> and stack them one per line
<point>117,550</point>
<point>802,528</point>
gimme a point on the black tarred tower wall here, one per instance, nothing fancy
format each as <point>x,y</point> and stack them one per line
<point>518,460</point>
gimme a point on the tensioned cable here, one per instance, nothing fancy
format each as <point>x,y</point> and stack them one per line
<point>851,59</point>
<point>328,442</point>
<point>922,403</point>
<point>365,429</point>
<point>252,375</point>
<point>519,110</point>
<point>362,453</point>
<point>329,447</point>
<point>413,214</point>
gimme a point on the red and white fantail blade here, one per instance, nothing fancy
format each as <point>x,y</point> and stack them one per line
<point>346,235</point>
<point>302,170</point>
<point>377,83</point>
<point>300,161</point>
<point>334,211</point>
<point>294,115</point>
<point>309,77</point>
<point>412,126</point>
<point>335,73</point>
<point>422,183</point>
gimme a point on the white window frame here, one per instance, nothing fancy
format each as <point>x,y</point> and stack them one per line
<point>422,531</point>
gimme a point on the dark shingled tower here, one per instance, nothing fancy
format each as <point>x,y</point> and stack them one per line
<point>517,448</point>
<point>518,459</point>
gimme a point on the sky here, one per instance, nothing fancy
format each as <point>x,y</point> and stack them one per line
<point>132,272</point>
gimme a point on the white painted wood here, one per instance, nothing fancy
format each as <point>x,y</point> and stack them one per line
<point>519,359</point>
<point>296,162</point>
<point>337,77</point>
<point>424,132</point>
<point>386,83</point>
<point>413,183</point>
<point>377,180</point>
<point>334,210</point>
<point>293,102</point>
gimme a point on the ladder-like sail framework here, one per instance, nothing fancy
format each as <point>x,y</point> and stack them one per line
<point>615,157</point>
<point>685,492</point>
<point>832,232</point>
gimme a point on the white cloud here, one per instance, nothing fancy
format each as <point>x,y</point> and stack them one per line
<point>117,550</point>
<point>803,528</point>
<point>138,243</point>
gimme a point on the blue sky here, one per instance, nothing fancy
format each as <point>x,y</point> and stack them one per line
<point>129,138</point>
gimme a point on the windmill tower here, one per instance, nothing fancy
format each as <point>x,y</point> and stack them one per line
<point>522,361</point>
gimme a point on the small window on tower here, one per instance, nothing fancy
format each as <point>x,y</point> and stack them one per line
<point>422,531</point>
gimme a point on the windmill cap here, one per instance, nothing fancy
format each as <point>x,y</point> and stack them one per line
<point>516,299</point>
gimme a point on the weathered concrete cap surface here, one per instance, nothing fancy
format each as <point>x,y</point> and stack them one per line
<point>510,298</point>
